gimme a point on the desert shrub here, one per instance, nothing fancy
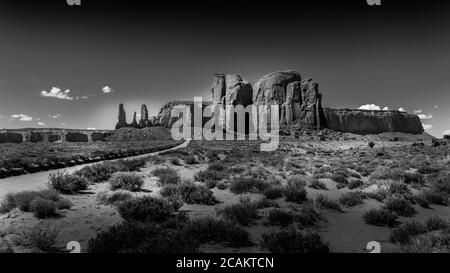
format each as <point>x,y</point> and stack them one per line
<point>294,242</point>
<point>371,144</point>
<point>279,217</point>
<point>145,209</point>
<point>380,217</point>
<point>137,237</point>
<point>244,213</point>
<point>22,200</point>
<point>8,203</point>
<point>210,230</point>
<point>422,201</point>
<point>400,206</point>
<point>295,192</point>
<point>441,183</point>
<point>425,169</point>
<point>67,183</point>
<point>166,176</point>
<point>217,166</point>
<point>385,173</point>
<point>406,231</point>
<point>98,172</point>
<point>190,160</point>
<point>175,161</point>
<point>355,184</point>
<point>398,188</point>
<point>242,185</point>
<point>43,208</point>
<point>409,230</point>
<point>113,197</point>
<point>41,236</point>
<point>413,178</point>
<point>436,223</point>
<point>309,216</point>
<point>435,197</point>
<point>210,175</point>
<point>264,203</point>
<point>317,185</point>
<point>351,199</point>
<point>273,192</point>
<point>434,242</point>
<point>126,181</point>
<point>380,194</point>
<point>64,204</point>
<point>322,201</point>
<point>339,178</point>
<point>130,165</point>
<point>196,194</point>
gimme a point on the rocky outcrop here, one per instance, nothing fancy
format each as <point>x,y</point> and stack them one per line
<point>219,88</point>
<point>134,123</point>
<point>77,137</point>
<point>122,117</point>
<point>371,122</point>
<point>144,122</point>
<point>272,87</point>
<point>238,91</point>
<point>311,111</point>
<point>447,137</point>
<point>9,137</point>
<point>299,101</point>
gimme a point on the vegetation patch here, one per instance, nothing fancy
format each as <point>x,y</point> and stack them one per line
<point>294,242</point>
<point>67,183</point>
<point>126,181</point>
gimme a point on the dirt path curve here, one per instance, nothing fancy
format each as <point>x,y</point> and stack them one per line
<point>38,181</point>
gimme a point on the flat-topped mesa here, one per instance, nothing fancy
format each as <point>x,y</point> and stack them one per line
<point>372,121</point>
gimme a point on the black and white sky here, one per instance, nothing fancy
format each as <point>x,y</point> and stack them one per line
<point>70,66</point>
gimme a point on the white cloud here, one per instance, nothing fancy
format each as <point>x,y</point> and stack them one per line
<point>41,123</point>
<point>107,90</point>
<point>63,124</point>
<point>91,128</point>
<point>427,127</point>
<point>369,107</point>
<point>57,93</point>
<point>418,111</point>
<point>373,107</point>
<point>401,109</point>
<point>436,107</point>
<point>55,116</point>
<point>22,117</point>
<point>425,116</point>
<point>84,97</point>
<point>446,133</point>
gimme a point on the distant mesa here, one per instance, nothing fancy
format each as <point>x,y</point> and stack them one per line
<point>447,137</point>
<point>299,101</point>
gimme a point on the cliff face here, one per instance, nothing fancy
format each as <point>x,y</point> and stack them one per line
<point>371,122</point>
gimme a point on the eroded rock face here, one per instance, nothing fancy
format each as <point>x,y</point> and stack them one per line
<point>372,122</point>
<point>11,137</point>
<point>77,137</point>
<point>272,87</point>
<point>238,91</point>
<point>134,123</point>
<point>164,118</point>
<point>122,117</point>
<point>311,111</point>
<point>218,89</point>
<point>144,122</point>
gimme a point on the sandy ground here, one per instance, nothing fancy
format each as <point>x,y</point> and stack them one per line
<point>346,232</point>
